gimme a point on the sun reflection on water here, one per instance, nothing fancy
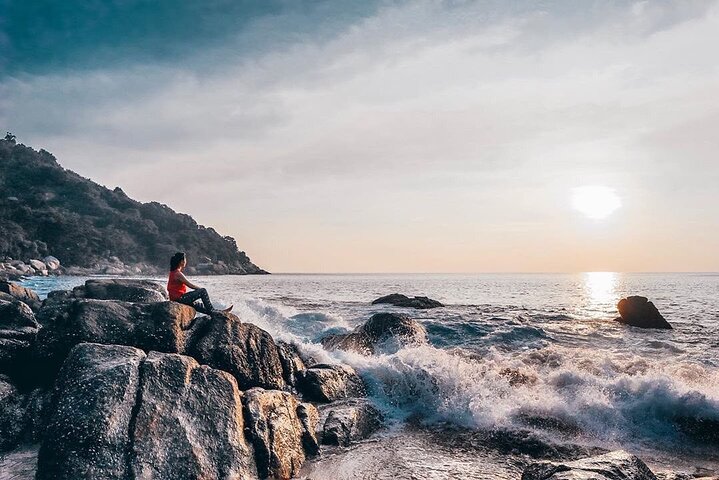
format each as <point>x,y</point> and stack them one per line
<point>600,287</point>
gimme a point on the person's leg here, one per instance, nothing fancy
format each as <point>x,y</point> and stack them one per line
<point>200,294</point>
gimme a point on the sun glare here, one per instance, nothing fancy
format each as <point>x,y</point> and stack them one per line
<point>595,201</point>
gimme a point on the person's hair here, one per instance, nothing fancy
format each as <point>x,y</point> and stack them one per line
<point>176,260</point>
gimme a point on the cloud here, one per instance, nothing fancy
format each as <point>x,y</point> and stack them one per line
<point>477,117</point>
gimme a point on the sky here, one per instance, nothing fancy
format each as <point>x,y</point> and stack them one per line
<point>389,136</point>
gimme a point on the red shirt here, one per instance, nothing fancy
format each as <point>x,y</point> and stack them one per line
<point>175,287</point>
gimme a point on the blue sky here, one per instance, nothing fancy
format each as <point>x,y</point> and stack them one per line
<point>388,136</point>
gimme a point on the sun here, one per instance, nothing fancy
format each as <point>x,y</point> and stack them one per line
<point>595,201</point>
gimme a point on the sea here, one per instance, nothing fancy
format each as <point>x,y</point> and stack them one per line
<point>519,367</point>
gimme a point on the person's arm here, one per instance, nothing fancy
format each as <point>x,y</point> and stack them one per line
<point>184,280</point>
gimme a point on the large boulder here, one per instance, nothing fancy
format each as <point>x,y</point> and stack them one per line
<point>386,332</point>
<point>328,383</point>
<point>349,421</point>
<point>617,465</point>
<point>278,433</point>
<point>640,312</point>
<point>245,350</point>
<point>126,290</point>
<point>189,423</point>
<point>89,431</point>
<point>150,326</point>
<point>21,293</point>
<point>12,414</point>
<point>52,262</point>
<point>18,329</point>
<point>399,300</point>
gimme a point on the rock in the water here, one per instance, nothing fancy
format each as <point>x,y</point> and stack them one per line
<point>277,432</point>
<point>328,383</point>
<point>309,417</point>
<point>243,349</point>
<point>23,294</point>
<point>149,326</point>
<point>52,262</point>
<point>639,312</point>
<point>386,332</point>
<point>12,415</point>
<point>18,329</point>
<point>617,465</point>
<point>349,421</point>
<point>399,300</point>
<point>38,265</point>
<point>126,290</point>
<point>88,433</point>
<point>189,423</point>
<point>291,361</point>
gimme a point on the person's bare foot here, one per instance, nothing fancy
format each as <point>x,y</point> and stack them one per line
<point>228,309</point>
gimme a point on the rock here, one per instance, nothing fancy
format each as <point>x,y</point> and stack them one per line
<point>291,362</point>
<point>149,326</point>
<point>350,421</point>
<point>399,300</point>
<point>121,289</point>
<point>37,414</point>
<point>89,430</point>
<point>38,265</point>
<point>12,415</point>
<point>277,432</point>
<point>328,383</point>
<point>245,350</point>
<point>189,423</point>
<point>386,332</point>
<point>51,262</point>
<point>639,312</point>
<point>617,465</point>
<point>18,330</point>
<point>23,294</point>
<point>309,417</point>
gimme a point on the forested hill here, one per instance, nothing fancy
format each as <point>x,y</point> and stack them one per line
<point>48,210</point>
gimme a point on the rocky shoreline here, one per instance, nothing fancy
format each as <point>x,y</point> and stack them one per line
<point>111,380</point>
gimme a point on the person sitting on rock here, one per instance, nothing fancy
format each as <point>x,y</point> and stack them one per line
<point>177,285</point>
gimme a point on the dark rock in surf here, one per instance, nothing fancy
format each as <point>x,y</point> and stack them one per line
<point>12,414</point>
<point>386,332</point>
<point>617,465</point>
<point>125,290</point>
<point>150,326</point>
<point>291,362</point>
<point>349,421</point>
<point>278,433</point>
<point>399,300</point>
<point>245,350</point>
<point>23,294</point>
<point>328,383</point>
<point>189,422</point>
<point>639,312</point>
<point>89,430</point>
<point>18,329</point>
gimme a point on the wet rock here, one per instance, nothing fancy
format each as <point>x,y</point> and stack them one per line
<point>245,350</point>
<point>328,383</point>
<point>639,312</point>
<point>189,423</point>
<point>309,418</point>
<point>149,326</point>
<point>617,465</point>
<point>52,262</point>
<point>277,432</point>
<point>18,329</point>
<point>88,433</point>
<point>38,265</point>
<point>37,414</point>
<point>386,332</point>
<point>349,421</point>
<point>126,290</point>
<point>291,362</point>
<point>23,294</point>
<point>399,300</point>
<point>12,414</point>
